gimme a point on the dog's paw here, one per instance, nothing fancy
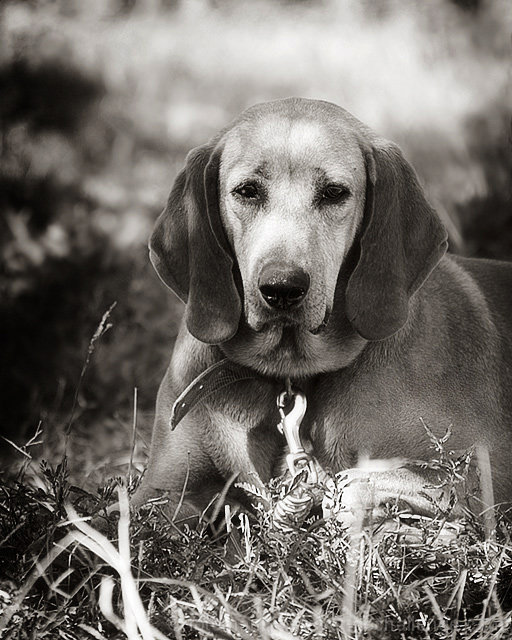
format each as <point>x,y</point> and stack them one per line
<point>353,498</point>
<point>369,494</point>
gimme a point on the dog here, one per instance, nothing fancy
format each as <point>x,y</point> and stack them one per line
<point>305,250</point>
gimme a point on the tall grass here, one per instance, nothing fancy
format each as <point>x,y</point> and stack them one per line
<point>407,577</point>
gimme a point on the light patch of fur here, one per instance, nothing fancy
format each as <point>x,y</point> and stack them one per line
<point>228,444</point>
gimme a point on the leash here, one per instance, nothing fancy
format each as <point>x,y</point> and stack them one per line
<point>291,509</point>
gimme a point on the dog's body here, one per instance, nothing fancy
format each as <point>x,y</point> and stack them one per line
<point>305,249</point>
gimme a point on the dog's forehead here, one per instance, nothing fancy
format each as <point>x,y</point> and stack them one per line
<point>292,141</point>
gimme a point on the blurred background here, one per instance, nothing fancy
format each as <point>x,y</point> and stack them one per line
<point>100,102</point>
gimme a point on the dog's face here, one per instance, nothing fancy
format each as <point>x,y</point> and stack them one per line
<point>260,221</point>
<point>291,198</point>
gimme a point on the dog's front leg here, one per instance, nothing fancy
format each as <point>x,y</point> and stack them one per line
<point>220,442</point>
<point>179,470</point>
<point>360,496</point>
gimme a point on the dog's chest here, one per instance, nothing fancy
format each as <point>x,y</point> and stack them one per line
<point>345,419</point>
<point>245,417</point>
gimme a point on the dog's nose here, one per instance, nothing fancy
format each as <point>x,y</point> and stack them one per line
<point>282,286</point>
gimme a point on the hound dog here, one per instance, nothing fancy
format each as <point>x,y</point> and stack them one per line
<point>304,248</point>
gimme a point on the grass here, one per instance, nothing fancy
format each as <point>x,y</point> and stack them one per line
<point>142,576</point>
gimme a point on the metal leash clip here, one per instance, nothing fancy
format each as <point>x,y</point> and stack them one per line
<point>298,459</point>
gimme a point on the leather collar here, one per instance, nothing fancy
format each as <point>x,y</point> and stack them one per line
<point>219,375</point>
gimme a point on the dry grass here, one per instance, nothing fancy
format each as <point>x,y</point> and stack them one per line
<point>147,578</point>
<point>64,578</point>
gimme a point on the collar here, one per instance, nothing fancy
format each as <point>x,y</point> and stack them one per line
<point>219,375</point>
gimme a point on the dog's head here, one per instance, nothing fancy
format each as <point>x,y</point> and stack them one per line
<point>260,222</point>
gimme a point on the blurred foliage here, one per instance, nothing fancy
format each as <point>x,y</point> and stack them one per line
<point>100,102</point>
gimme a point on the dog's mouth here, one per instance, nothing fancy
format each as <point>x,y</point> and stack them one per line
<point>287,335</point>
<point>288,324</point>
<point>323,325</point>
<point>287,329</point>
<point>279,322</point>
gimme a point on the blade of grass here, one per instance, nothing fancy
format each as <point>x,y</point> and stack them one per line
<point>41,566</point>
<point>436,608</point>
<point>134,435</point>
<point>486,492</point>
<point>102,328</point>
<point>91,631</point>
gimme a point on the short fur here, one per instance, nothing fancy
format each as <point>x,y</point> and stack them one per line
<point>392,333</point>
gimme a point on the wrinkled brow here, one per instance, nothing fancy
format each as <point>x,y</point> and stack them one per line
<point>328,175</point>
<point>320,174</point>
<point>263,170</point>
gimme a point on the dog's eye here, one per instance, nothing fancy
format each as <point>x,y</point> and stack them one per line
<point>334,193</point>
<point>248,191</point>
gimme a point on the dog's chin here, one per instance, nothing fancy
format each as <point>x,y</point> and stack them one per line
<point>277,349</point>
<point>279,338</point>
<point>281,347</point>
<point>280,344</point>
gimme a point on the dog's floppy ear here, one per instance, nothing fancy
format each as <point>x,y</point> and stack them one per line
<point>190,253</point>
<point>402,241</point>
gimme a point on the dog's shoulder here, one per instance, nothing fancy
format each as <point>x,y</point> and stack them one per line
<point>494,279</point>
<point>481,290</point>
<point>492,273</point>
<point>491,277</point>
<point>467,302</point>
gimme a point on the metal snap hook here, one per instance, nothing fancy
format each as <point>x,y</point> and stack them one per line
<point>297,458</point>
